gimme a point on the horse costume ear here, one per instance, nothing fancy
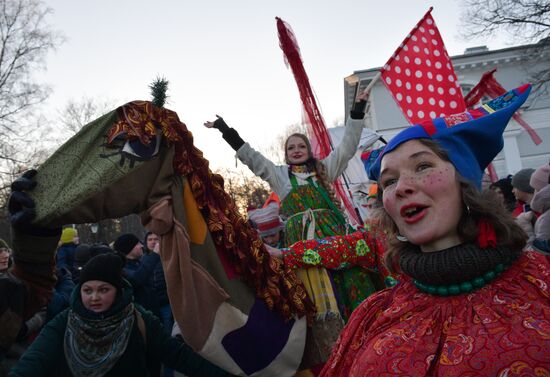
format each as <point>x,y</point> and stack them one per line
<point>471,139</point>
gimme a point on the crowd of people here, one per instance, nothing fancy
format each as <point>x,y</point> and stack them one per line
<point>444,278</point>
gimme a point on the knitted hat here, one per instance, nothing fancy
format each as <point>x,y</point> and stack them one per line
<point>266,220</point>
<point>68,235</point>
<point>82,254</point>
<point>103,267</point>
<point>125,243</point>
<point>521,179</point>
<point>471,139</point>
<point>540,178</point>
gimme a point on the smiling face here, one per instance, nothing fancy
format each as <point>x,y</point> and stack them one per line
<point>422,195</point>
<point>97,296</point>
<point>297,150</point>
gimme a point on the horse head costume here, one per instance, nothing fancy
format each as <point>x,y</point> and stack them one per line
<point>233,303</point>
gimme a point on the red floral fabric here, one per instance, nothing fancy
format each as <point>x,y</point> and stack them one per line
<point>362,248</point>
<point>502,329</point>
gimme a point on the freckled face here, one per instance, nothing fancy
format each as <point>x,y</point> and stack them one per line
<point>296,150</point>
<point>422,196</point>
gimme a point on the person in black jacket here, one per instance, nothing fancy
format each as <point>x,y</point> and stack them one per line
<point>138,270</point>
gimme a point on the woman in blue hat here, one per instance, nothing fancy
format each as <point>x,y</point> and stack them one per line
<point>470,300</point>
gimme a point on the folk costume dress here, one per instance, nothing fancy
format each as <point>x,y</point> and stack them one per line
<point>311,214</point>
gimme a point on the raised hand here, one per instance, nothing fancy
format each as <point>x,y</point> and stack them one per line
<point>219,123</point>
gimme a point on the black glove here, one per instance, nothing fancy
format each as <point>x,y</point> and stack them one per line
<point>220,124</point>
<point>20,205</point>
<point>22,208</point>
<point>358,111</point>
<point>229,134</point>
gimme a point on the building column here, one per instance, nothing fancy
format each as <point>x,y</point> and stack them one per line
<point>512,157</point>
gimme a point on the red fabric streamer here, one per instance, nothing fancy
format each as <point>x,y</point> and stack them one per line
<point>316,124</point>
<point>317,129</point>
<point>487,236</point>
<point>489,86</point>
<point>492,173</point>
<point>421,77</point>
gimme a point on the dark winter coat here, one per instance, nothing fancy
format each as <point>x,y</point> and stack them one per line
<point>61,298</point>
<point>139,273</point>
<point>159,284</point>
<point>46,357</point>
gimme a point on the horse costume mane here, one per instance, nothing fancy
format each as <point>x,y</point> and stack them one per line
<point>233,303</point>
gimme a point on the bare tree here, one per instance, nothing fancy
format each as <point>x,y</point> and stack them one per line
<point>245,190</point>
<point>77,113</point>
<point>25,39</point>
<point>525,21</point>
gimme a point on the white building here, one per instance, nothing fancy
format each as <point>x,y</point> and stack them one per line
<point>515,66</point>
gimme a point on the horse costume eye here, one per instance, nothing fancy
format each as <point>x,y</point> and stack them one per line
<point>134,150</point>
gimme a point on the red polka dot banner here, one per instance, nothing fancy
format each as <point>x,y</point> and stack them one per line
<point>420,76</point>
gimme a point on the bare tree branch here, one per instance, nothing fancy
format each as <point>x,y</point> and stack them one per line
<point>523,21</point>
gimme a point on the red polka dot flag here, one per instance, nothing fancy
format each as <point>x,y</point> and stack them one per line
<point>420,76</point>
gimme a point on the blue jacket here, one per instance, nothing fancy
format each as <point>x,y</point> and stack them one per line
<point>62,294</point>
<point>65,256</point>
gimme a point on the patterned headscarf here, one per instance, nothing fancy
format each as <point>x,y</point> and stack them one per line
<point>93,344</point>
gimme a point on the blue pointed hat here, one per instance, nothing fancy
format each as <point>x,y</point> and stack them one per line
<point>471,139</point>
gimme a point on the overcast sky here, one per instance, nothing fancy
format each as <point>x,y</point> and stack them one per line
<point>223,57</point>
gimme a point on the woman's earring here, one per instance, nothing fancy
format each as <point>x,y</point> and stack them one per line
<point>401,238</point>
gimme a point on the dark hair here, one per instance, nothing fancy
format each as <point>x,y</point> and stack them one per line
<point>505,186</point>
<point>476,206</point>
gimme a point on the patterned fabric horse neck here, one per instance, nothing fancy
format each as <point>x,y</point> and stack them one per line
<point>234,304</point>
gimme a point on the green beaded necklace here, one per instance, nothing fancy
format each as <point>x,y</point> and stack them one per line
<point>464,287</point>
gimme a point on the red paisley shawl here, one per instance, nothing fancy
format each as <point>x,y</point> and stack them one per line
<point>502,329</point>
